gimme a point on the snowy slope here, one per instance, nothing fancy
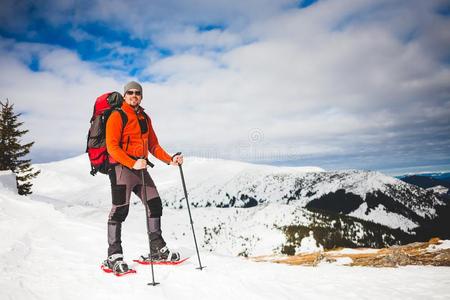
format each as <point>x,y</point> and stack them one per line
<point>439,189</point>
<point>52,244</point>
<point>8,181</point>
<point>74,173</point>
<point>221,183</point>
<point>253,186</point>
<point>273,198</point>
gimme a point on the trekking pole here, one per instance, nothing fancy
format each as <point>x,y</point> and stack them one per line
<point>190,216</point>
<point>144,194</point>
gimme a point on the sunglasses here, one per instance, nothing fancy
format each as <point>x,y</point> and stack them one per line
<point>137,93</point>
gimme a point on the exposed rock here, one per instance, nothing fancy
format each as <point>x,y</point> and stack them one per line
<point>411,254</point>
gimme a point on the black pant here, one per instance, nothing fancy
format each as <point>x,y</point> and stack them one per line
<point>123,182</point>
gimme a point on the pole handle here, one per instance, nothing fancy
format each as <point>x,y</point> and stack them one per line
<point>149,163</point>
<point>178,153</point>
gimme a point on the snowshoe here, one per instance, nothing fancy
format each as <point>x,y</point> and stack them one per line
<point>146,261</point>
<point>115,264</point>
<point>164,254</point>
<point>162,257</point>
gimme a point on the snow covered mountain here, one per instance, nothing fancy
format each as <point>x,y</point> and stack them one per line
<point>369,196</point>
<point>439,189</point>
<point>249,209</point>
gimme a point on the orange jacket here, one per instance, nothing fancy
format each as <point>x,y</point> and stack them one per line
<point>134,143</point>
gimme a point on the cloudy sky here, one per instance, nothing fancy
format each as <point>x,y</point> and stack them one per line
<point>333,83</point>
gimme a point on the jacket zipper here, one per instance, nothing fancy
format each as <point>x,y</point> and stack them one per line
<point>144,153</point>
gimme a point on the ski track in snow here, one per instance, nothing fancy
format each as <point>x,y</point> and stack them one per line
<point>54,241</point>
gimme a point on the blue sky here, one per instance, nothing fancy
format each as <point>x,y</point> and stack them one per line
<point>337,84</point>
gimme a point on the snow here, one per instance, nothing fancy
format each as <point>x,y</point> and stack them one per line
<point>442,246</point>
<point>439,189</point>
<point>372,181</point>
<point>54,241</point>
<point>380,215</point>
<point>355,251</point>
<point>8,181</point>
<point>215,182</point>
<point>308,245</point>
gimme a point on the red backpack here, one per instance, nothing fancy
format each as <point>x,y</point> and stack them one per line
<point>101,161</point>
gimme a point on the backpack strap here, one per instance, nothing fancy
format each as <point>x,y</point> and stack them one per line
<point>147,118</point>
<point>124,118</point>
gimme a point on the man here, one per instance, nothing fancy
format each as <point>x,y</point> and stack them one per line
<point>129,147</point>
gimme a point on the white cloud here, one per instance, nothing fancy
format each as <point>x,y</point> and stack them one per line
<point>57,101</point>
<point>189,37</point>
<point>184,65</point>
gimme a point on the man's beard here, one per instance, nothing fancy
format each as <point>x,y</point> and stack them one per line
<point>134,103</point>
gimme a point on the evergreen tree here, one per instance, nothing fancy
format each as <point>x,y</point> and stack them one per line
<point>12,151</point>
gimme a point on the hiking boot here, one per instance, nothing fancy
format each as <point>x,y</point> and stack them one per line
<point>163,254</point>
<point>116,264</point>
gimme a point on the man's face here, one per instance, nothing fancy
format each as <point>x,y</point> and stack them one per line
<point>133,97</point>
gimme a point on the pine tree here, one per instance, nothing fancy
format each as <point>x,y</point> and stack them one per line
<point>12,151</point>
